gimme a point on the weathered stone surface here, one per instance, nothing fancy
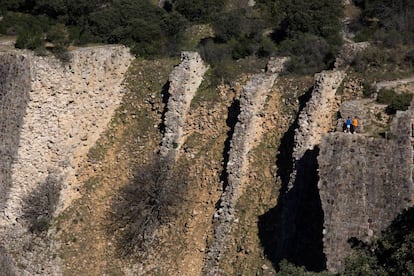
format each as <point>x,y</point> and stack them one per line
<point>14,97</point>
<point>51,114</point>
<point>364,183</point>
<point>246,132</point>
<point>184,82</point>
<point>318,117</point>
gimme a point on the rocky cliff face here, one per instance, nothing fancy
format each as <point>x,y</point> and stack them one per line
<point>364,183</point>
<point>51,114</point>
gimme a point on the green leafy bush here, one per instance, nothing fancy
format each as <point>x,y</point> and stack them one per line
<point>368,90</point>
<point>309,53</point>
<point>199,11</point>
<point>391,254</point>
<point>29,39</point>
<point>395,101</point>
<point>288,269</point>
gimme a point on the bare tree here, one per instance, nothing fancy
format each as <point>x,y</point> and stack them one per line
<point>151,199</point>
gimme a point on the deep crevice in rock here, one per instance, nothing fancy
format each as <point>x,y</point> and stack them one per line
<point>165,97</point>
<point>292,230</point>
<point>284,159</point>
<point>232,114</point>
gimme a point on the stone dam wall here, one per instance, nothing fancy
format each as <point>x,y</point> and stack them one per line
<point>14,97</point>
<point>364,184</point>
<point>183,84</point>
<point>51,115</point>
<point>246,133</point>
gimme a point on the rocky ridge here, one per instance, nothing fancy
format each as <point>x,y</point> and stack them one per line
<point>245,136</point>
<point>318,117</point>
<point>183,83</point>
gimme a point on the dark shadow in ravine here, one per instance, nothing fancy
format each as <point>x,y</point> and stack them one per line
<point>292,230</point>
<point>284,159</point>
<point>232,117</point>
<point>14,98</point>
<point>165,97</point>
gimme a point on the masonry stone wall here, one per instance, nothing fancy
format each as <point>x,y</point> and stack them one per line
<point>55,113</point>
<point>318,116</point>
<point>246,133</point>
<point>364,182</point>
<point>183,84</point>
<point>14,96</point>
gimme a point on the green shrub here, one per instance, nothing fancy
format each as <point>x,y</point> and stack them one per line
<point>368,90</point>
<point>58,35</point>
<point>309,54</point>
<point>228,26</point>
<point>14,23</point>
<point>393,100</point>
<point>242,47</point>
<point>29,39</point>
<point>288,269</point>
<point>363,35</point>
<point>214,53</point>
<point>266,48</point>
<point>199,11</point>
<point>391,254</point>
<point>370,57</point>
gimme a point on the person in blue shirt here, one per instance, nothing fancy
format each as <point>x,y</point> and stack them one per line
<point>348,125</point>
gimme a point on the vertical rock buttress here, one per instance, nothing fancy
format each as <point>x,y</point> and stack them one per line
<point>246,134</point>
<point>317,118</point>
<point>51,114</point>
<point>183,84</point>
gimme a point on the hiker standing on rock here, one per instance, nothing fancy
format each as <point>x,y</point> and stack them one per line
<point>348,125</point>
<point>355,124</point>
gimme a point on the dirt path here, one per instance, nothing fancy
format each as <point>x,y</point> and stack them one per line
<point>392,84</point>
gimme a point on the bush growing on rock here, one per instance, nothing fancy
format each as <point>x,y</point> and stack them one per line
<point>39,206</point>
<point>309,53</point>
<point>391,254</point>
<point>395,101</point>
<point>199,11</point>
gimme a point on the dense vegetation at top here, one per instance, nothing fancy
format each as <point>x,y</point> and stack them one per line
<point>307,30</point>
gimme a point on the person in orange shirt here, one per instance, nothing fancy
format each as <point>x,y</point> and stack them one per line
<point>355,124</point>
